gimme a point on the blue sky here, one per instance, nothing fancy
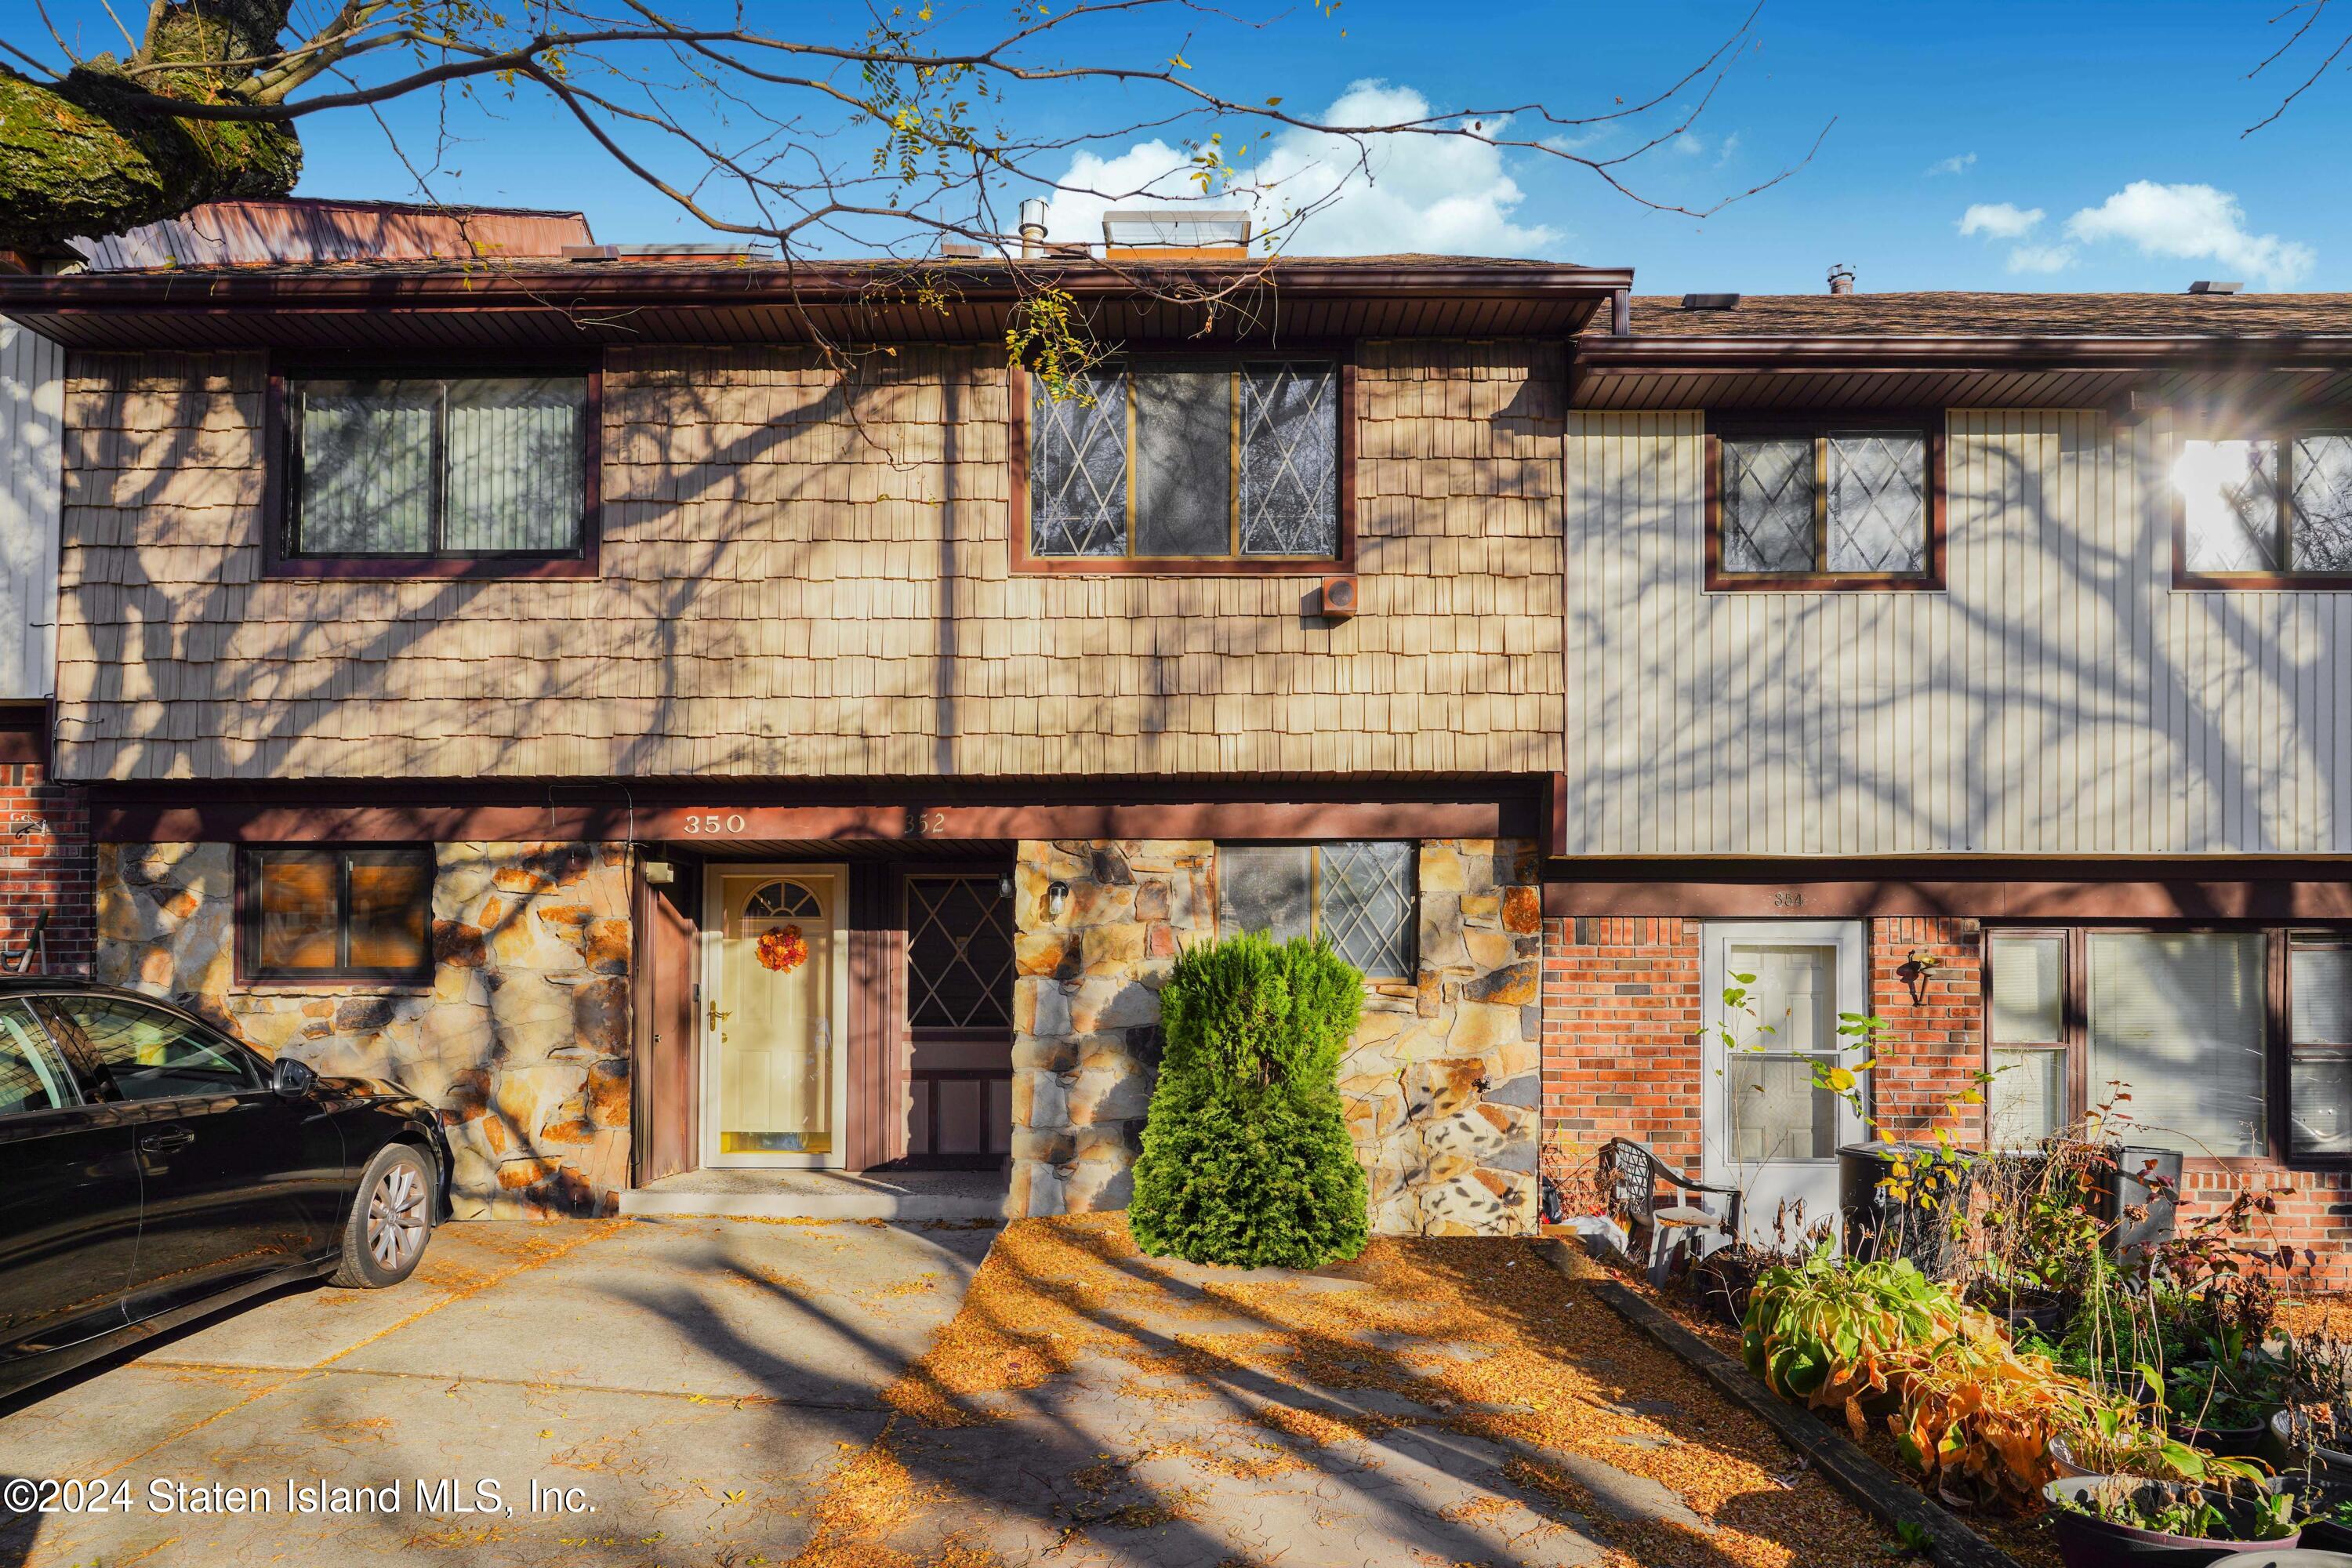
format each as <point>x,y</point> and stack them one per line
<point>2119,124</point>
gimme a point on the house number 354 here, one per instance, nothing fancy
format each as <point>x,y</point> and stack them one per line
<point>708,822</point>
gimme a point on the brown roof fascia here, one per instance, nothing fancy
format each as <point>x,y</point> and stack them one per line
<point>1945,355</point>
<point>612,286</point>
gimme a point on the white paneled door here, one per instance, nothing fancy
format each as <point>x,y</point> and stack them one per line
<point>1770,1132</point>
<point>774,997</point>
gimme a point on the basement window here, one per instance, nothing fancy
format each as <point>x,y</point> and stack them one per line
<point>336,914</point>
<point>445,476</point>
<point>2263,510</point>
<point>1845,506</point>
<point>1187,464</point>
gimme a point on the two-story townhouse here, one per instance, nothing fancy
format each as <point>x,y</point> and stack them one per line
<point>563,686</point>
<point>567,688</point>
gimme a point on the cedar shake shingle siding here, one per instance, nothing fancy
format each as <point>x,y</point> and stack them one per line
<point>806,575</point>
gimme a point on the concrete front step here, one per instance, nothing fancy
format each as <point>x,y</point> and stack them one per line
<point>909,1195</point>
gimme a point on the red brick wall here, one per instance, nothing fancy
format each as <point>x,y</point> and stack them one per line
<point>1622,1012</point>
<point>1620,1034</point>
<point>1933,1049</point>
<point>2314,1214</point>
<point>44,864</point>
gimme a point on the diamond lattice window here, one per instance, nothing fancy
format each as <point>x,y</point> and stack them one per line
<point>2322,536</point>
<point>1767,505</point>
<point>1365,905</point>
<point>1195,458</point>
<point>1290,460</point>
<point>2229,492</point>
<point>1845,503</point>
<point>1878,502</point>
<point>1358,897</point>
<point>1077,466</point>
<point>958,953</point>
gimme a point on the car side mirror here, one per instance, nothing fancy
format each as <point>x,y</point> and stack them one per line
<point>293,1079</point>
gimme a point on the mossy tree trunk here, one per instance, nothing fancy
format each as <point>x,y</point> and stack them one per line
<point>83,157</point>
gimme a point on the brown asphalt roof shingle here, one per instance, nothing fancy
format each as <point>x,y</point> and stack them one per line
<point>1953,314</point>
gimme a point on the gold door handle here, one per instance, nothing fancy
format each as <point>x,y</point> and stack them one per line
<point>716,1015</point>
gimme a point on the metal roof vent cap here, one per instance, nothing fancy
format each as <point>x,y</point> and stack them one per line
<point>1840,277</point>
<point>1710,301</point>
<point>1175,233</point>
<point>2214,286</point>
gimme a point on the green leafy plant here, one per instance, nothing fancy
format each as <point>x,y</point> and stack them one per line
<point>1247,1158</point>
<point>2226,1510</point>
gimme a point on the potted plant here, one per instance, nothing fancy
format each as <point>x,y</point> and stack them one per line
<point>2117,1521</point>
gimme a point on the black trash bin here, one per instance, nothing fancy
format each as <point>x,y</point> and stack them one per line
<point>2142,1182</point>
<point>1915,1222</point>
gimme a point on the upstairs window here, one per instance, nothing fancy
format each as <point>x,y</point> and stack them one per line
<point>2264,509</point>
<point>1187,464</point>
<point>423,469</point>
<point>1840,507</point>
<point>335,914</point>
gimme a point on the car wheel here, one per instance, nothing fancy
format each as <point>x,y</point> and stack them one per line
<point>390,1223</point>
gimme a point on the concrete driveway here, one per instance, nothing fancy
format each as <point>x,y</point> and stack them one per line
<point>628,1391</point>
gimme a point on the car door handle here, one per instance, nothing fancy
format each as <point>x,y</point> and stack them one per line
<point>165,1139</point>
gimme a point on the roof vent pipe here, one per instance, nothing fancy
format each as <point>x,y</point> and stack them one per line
<point>1840,277</point>
<point>1032,226</point>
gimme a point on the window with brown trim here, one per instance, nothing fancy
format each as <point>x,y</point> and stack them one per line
<point>2263,510</point>
<point>460,475</point>
<point>2233,1042</point>
<point>321,914</point>
<point>1187,464</point>
<point>1843,506</point>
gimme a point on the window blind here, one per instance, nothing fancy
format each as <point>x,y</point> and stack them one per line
<point>2177,1018</point>
<point>515,461</point>
<point>2319,1075</point>
<point>367,468</point>
<point>2029,989</point>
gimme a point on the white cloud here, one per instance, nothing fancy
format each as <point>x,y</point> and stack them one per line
<point>1999,220</point>
<point>1957,164</point>
<point>2040,257</point>
<point>1443,194</point>
<point>1690,143</point>
<point>1731,146</point>
<point>2191,221</point>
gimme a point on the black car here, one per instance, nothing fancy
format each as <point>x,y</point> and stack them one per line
<point>152,1169</point>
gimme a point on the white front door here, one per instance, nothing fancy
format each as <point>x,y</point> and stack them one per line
<point>1770,1132</point>
<point>775,996</point>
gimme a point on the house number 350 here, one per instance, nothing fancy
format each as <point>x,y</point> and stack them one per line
<point>711,822</point>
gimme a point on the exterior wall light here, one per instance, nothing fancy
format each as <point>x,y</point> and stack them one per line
<point>1057,898</point>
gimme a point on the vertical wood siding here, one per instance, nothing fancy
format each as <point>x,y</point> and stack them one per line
<point>2061,698</point>
<point>32,400</point>
<point>807,575</point>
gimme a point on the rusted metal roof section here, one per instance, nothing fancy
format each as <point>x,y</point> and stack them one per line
<point>560,304</point>
<point>310,229</point>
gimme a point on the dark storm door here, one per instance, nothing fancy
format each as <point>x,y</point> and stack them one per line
<point>959,978</point>
<point>668,1087</point>
<point>68,1202</point>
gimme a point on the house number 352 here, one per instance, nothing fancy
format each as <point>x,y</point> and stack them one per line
<point>708,822</point>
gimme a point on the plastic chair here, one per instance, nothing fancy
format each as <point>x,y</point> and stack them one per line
<point>1630,1173</point>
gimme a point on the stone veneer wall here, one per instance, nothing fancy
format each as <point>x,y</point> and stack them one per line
<point>1440,1080</point>
<point>521,1039</point>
